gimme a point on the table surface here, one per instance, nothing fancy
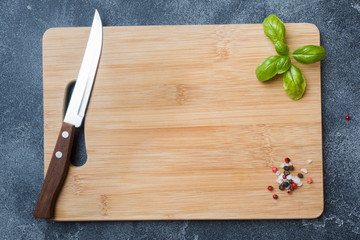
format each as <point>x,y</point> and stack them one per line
<point>21,139</point>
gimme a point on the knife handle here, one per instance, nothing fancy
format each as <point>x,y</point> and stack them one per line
<point>56,173</point>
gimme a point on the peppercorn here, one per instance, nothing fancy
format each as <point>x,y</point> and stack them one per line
<point>309,180</point>
<point>286,184</point>
<point>291,167</point>
<point>300,175</point>
<point>347,117</point>
<point>294,185</point>
<point>286,173</point>
<point>288,191</point>
<point>287,160</point>
<point>283,176</point>
<point>290,181</point>
<point>270,188</point>
<point>286,168</point>
<point>281,187</point>
<point>275,196</point>
<point>274,169</point>
<point>291,188</point>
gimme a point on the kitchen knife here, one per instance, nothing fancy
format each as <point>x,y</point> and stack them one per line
<point>60,160</point>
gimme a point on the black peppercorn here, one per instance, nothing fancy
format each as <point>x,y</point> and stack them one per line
<point>286,173</point>
<point>291,168</point>
<point>290,181</point>
<point>286,168</point>
<point>291,188</point>
<point>286,184</point>
<point>299,175</point>
<point>281,187</point>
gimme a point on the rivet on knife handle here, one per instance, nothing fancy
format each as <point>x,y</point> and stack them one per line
<point>56,173</point>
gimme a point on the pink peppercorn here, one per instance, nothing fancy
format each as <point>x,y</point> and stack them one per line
<point>287,160</point>
<point>283,176</point>
<point>294,185</point>
<point>274,169</point>
<point>270,188</point>
<point>288,191</point>
<point>347,117</point>
<point>309,180</point>
<point>275,196</point>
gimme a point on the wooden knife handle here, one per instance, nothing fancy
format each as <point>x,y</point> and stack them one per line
<point>56,173</point>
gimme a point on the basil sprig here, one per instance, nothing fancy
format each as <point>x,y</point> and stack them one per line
<point>281,48</point>
<point>271,66</point>
<point>309,54</point>
<point>294,81</point>
<point>283,64</point>
<point>267,69</point>
<point>274,28</point>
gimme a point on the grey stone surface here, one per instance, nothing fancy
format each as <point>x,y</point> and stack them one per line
<point>21,136</point>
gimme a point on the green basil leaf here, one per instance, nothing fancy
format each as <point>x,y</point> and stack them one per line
<point>283,64</point>
<point>274,28</point>
<point>281,48</point>
<point>294,82</point>
<point>268,68</point>
<point>309,54</point>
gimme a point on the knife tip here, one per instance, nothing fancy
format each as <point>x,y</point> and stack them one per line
<point>97,16</point>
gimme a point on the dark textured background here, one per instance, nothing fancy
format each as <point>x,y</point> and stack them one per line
<point>21,113</point>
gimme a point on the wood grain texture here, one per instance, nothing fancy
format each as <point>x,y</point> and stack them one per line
<point>56,173</point>
<point>178,126</point>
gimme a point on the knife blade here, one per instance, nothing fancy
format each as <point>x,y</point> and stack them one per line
<point>60,160</point>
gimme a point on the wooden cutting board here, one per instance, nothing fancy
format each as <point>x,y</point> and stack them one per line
<point>178,126</point>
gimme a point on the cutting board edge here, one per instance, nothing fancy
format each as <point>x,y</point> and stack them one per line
<point>49,30</point>
<point>314,216</point>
